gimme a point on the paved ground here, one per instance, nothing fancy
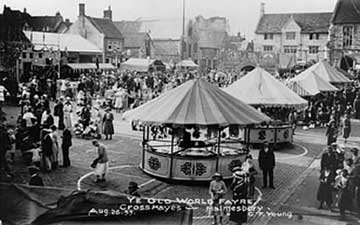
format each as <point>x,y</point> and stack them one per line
<point>296,176</point>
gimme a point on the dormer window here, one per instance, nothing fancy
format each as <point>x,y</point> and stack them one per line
<point>314,36</point>
<point>290,35</point>
<point>268,36</point>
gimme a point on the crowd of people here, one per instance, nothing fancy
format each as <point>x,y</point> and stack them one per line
<point>47,117</point>
<point>339,177</point>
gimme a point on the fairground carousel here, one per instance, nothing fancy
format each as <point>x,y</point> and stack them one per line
<point>264,92</point>
<point>193,131</point>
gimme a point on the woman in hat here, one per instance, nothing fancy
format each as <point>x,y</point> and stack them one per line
<point>239,187</point>
<point>217,190</point>
<point>346,127</point>
<point>108,126</point>
<point>249,167</point>
<point>68,109</point>
<point>324,194</point>
<point>119,98</point>
<point>331,132</point>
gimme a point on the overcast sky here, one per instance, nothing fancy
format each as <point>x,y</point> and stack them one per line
<point>243,15</point>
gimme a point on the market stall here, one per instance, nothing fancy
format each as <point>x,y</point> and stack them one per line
<point>310,84</point>
<point>143,65</point>
<point>260,89</point>
<point>187,64</point>
<point>326,72</point>
<point>195,115</point>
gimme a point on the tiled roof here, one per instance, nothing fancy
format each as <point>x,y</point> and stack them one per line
<point>347,11</point>
<point>106,26</point>
<point>42,23</point>
<point>309,22</point>
<point>128,26</point>
<point>167,47</point>
<point>134,40</point>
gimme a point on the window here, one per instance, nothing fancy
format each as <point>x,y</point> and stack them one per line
<point>290,35</point>
<point>24,55</point>
<point>290,49</point>
<point>347,36</point>
<point>314,36</point>
<point>31,55</point>
<point>40,55</point>
<point>268,48</point>
<point>313,49</point>
<point>268,36</point>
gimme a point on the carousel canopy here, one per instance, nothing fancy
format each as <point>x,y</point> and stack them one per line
<point>310,85</point>
<point>81,66</point>
<point>324,70</point>
<point>196,102</point>
<point>259,87</point>
<point>141,65</point>
<point>187,63</point>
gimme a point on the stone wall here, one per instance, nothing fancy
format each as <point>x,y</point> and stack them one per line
<point>337,50</point>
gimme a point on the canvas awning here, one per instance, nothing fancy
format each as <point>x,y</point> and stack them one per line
<point>82,66</point>
<point>324,70</point>
<point>35,205</point>
<point>141,65</point>
<point>196,102</point>
<point>259,87</point>
<point>187,64</point>
<point>310,84</point>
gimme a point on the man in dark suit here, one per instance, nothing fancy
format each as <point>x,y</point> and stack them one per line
<point>267,163</point>
<point>35,179</point>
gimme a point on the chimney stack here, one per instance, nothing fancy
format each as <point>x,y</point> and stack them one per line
<point>108,14</point>
<point>262,9</point>
<point>81,9</point>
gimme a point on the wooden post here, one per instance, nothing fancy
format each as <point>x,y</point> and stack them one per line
<point>218,150</point>
<point>171,155</point>
<point>143,148</point>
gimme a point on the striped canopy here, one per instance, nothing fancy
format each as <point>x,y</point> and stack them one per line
<point>310,85</point>
<point>260,88</point>
<point>196,102</point>
<point>324,70</point>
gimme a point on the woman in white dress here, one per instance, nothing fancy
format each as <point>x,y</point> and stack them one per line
<point>98,118</point>
<point>119,99</point>
<point>68,109</point>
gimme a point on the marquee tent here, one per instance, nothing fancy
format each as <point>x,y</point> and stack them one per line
<point>259,87</point>
<point>142,65</point>
<point>187,64</point>
<point>325,71</point>
<point>196,102</point>
<point>310,84</point>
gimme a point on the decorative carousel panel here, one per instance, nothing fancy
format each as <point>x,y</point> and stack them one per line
<point>193,169</point>
<point>284,134</point>
<point>260,135</point>
<point>157,164</point>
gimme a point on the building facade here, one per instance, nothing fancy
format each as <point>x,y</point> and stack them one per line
<point>136,44</point>
<point>344,37</point>
<point>205,39</point>
<point>102,32</point>
<point>301,35</point>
